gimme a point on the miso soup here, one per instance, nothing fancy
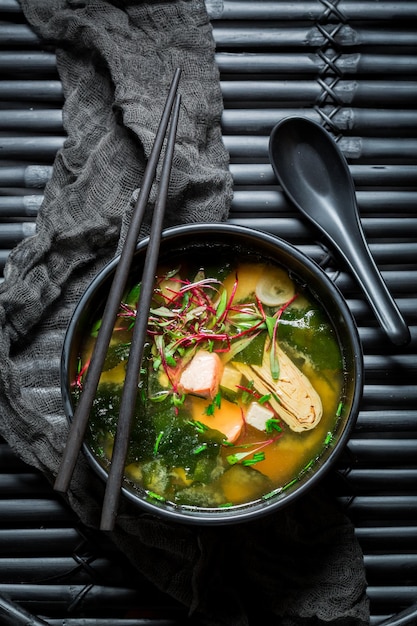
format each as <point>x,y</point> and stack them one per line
<point>240,389</point>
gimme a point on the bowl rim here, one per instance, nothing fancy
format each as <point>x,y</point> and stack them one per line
<point>243,513</point>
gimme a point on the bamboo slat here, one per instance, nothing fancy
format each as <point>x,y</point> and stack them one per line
<point>25,484</point>
<point>274,63</point>
<point>20,206</point>
<point>290,228</point>
<point>37,570</point>
<point>294,230</point>
<point>47,596</point>
<point>351,66</point>
<point>384,597</point>
<point>347,120</point>
<point>39,147</point>
<point>388,508</point>
<point>305,10</point>
<point>299,64</point>
<point>32,120</point>
<point>248,174</point>
<point>310,10</point>
<point>369,202</point>
<point>264,36</point>
<point>32,511</point>
<point>388,420</point>
<point>401,567</point>
<point>396,536</point>
<point>21,619</point>
<point>41,541</point>
<point>382,482</point>
<point>4,254</point>
<point>12,234</point>
<point>371,149</point>
<point>398,93</point>
<point>367,149</point>
<point>371,452</point>
<point>30,176</point>
<point>17,35</point>
<point>244,174</point>
<point>28,62</point>
<point>250,121</point>
<point>245,202</point>
<point>31,90</point>
<point>270,36</point>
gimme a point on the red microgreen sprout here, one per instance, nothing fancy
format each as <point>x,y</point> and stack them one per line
<point>81,370</point>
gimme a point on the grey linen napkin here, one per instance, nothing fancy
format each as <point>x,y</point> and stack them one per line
<point>116,60</point>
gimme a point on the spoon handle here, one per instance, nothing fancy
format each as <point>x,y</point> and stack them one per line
<point>352,245</point>
<point>314,173</point>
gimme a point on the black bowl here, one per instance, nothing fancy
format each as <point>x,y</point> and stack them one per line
<point>241,240</point>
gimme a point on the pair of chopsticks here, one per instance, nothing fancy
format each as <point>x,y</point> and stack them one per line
<point>82,411</point>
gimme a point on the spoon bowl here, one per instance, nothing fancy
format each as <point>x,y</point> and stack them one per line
<point>315,176</point>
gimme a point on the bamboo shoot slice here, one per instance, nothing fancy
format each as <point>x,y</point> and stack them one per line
<point>293,397</point>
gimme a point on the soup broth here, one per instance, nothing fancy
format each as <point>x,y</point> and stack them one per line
<point>240,389</point>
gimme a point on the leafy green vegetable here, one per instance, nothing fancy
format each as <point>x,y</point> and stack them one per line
<point>199,495</point>
<point>116,353</point>
<point>155,476</point>
<point>309,333</point>
<point>253,352</point>
<point>133,295</point>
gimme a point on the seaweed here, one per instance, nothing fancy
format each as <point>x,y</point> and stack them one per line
<point>308,332</point>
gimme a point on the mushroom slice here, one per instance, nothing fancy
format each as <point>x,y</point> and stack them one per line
<point>293,397</point>
<point>274,286</point>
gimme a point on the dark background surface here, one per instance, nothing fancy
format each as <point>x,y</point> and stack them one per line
<point>352,67</point>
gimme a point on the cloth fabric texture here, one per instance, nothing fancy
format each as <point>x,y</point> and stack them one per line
<point>116,61</point>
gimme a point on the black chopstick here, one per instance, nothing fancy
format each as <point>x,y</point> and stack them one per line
<point>132,378</point>
<point>82,411</point>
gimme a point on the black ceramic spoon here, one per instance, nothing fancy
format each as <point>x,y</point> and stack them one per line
<point>315,176</point>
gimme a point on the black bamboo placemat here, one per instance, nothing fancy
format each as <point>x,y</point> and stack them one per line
<point>351,66</point>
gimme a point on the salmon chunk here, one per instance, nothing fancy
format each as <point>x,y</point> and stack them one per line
<point>202,375</point>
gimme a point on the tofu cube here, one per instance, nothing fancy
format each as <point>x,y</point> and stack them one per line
<point>257,415</point>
